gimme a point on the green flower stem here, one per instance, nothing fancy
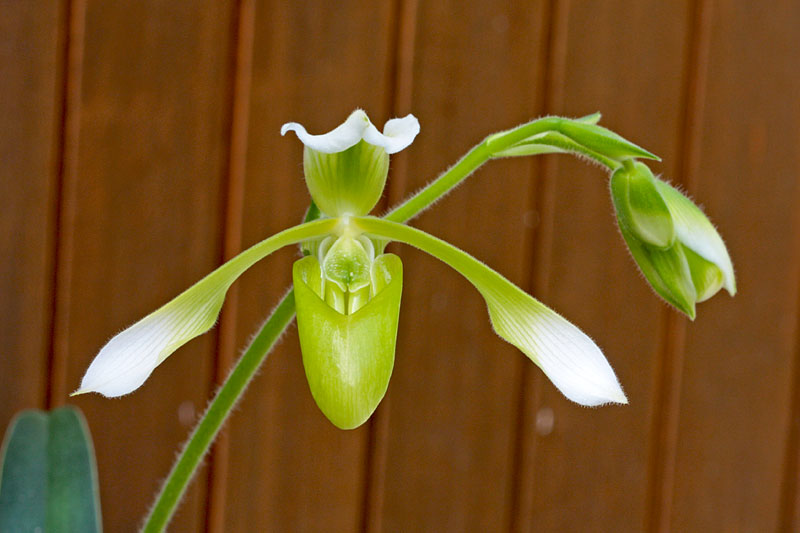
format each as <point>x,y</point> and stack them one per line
<point>480,154</point>
<point>442,185</point>
<point>206,430</point>
<point>241,375</point>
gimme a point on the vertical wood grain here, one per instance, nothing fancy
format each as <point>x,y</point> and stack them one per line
<point>590,466</point>
<point>30,93</point>
<point>452,418</point>
<point>290,469</point>
<point>241,83</point>
<point>737,375</point>
<point>140,145</point>
<point>399,93</point>
<point>669,373</point>
<point>146,225</point>
<point>552,67</point>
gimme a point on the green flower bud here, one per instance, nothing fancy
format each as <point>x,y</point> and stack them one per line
<point>672,241</point>
<point>347,314</point>
<point>640,207</point>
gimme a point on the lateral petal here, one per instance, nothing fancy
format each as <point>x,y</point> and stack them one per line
<point>129,358</point>
<point>571,360</point>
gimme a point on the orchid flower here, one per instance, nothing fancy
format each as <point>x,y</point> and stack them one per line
<point>347,290</point>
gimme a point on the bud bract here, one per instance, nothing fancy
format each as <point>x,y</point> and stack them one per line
<point>640,207</point>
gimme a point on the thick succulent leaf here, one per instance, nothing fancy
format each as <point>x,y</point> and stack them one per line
<point>48,477</point>
<point>697,233</point>
<point>348,358</point>
<point>127,360</point>
<point>571,360</point>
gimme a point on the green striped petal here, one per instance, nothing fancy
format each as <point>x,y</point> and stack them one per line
<point>129,358</point>
<point>571,360</point>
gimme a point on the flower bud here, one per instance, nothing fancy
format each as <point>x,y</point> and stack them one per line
<point>674,244</point>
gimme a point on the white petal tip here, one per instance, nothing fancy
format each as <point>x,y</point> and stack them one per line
<point>572,361</point>
<point>398,133</point>
<point>291,126</point>
<point>79,392</point>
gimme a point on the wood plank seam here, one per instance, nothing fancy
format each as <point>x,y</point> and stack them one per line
<point>664,432</point>
<point>64,198</point>
<point>242,37</point>
<point>540,253</point>
<point>542,203</point>
<point>398,101</point>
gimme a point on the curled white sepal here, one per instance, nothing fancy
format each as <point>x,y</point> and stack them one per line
<point>397,134</point>
<point>571,360</point>
<point>129,358</point>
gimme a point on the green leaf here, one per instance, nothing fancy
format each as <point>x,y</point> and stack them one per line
<point>48,478</point>
<point>348,358</point>
<point>602,140</point>
<point>126,361</point>
<point>571,360</point>
<point>551,143</point>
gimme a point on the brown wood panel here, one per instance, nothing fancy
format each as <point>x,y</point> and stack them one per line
<point>736,394</point>
<point>591,466</point>
<point>290,469</point>
<point>30,91</point>
<point>146,224</point>
<point>453,396</point>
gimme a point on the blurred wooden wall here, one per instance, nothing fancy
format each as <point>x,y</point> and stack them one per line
<point>139,147</point>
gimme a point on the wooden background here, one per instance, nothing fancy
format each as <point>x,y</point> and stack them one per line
<point>139,147</point>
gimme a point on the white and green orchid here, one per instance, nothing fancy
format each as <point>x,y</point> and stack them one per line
<point>347,291</point>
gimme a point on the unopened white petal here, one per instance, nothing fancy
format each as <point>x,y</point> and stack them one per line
<point>397,134</point>
<point>337,140</point>
<point>695,230</point>
<point>131,356</point>
<point>571,360</point>
<point>127,360</point>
